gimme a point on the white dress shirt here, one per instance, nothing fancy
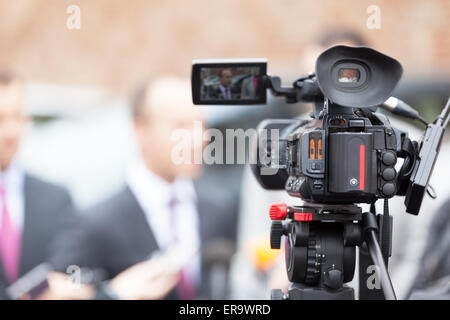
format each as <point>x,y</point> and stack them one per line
<point>226,92</point>
<point>153,195</point>
<point>13,182</point>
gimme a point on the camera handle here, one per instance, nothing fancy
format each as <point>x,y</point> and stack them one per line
<point>305,89</point>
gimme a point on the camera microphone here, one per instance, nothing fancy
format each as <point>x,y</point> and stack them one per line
<point>401,108</point>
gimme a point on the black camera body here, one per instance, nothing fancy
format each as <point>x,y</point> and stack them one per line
<point>349,159</point>
<point>350,156</point>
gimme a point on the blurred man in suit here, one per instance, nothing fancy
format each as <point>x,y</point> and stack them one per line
<point>158,208</point>
<point>223,91</point>
<point>31,211</point>
<point>433,277</point>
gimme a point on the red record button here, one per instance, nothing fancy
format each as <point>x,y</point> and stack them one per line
<point>278,211</point>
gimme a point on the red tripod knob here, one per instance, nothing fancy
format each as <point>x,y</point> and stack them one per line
<point>278,211</point>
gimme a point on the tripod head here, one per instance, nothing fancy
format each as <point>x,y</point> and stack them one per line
<point>320,248</point>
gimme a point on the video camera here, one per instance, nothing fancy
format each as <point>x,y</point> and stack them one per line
<point>346,154</point>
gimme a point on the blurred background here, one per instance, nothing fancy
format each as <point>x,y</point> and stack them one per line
<point>79,80</point>
<point>119,43</point>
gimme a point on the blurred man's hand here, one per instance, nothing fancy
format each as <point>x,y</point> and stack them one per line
<point>147,280</point>
<point>61,287</point>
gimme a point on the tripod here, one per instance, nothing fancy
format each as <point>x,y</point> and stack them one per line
<point>320,249</point>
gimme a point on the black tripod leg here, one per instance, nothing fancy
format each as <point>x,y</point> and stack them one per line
<point>367,290</point>
<point>370,227</point>
<point>378,260</point>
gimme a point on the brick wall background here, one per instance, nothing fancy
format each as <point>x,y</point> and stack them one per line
<point>122,41</point>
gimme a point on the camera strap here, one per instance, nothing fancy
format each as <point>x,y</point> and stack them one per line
<point>367,112</point>
<point>408,151</point>
<point>409,148</point>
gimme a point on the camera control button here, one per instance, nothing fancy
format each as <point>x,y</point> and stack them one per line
<point>333,278</point>
<point>388,174</point>
<point>389,158</point>
<point>316,166</point>
<point>356,123</point>
<point>389,189</point>
<point>276,232</point>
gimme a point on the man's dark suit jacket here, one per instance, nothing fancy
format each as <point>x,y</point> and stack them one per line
<point>216,93</point>
<point>435,261</point>
<point>47,210</point>
<point>116,235</point>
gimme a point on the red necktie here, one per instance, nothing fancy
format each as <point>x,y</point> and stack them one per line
<point>10,241</point>
<point>186,286</point>
<point>255,85</point>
